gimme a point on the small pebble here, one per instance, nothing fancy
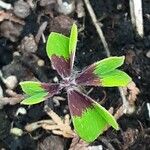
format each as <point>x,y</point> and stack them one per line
<point>1,92</point>
<point>61,24</point>
<point>148,54</point>
<point>21,111</point>
<point>119,6</point>
<point>16,131</point>
<point>11,82</point>
<point>21,9</point>
<point>51,143</point>
<point>66,8</point>
<point>41,62</point>
<point>28,44</point>
<point>55,79</point>
<point>16,54</point>
<point>80,10</point>
<point>98,147</point>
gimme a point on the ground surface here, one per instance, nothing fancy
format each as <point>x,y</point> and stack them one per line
<point>122,40</point>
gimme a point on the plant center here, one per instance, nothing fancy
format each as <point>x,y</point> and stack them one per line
<point>68,83</point>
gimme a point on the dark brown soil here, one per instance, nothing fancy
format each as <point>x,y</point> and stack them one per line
<point>122,40</point>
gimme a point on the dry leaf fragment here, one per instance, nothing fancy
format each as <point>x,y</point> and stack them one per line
<point>78,144</point>
<point>35,125</point>
<point>129,136</point>
<point>57,125</point>
<point>61,127</point>
<point>133,92</point>
<point>130,55</point>
<point>9,16</point>
<point>12,100</point>
<point>80,8</point>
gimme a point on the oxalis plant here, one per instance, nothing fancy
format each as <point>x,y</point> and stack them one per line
<point>89,118</point>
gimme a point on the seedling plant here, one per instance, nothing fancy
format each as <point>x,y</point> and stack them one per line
<point>89,118</point>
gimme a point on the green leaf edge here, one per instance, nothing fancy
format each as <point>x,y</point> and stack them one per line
<point>27,85</point>
<point>110,80</point>
<point>29,100</point>
<point>73,39</point>
<point>108,64</point>
<point>62,53</point>
<point>105,121</point>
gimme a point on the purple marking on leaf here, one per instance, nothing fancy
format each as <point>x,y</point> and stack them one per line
<point>88,77</point>
<point>61,65</point>
<point>78,102</point>
<point>51,88</point>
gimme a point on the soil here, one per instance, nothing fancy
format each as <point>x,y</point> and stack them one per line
<point>116,23</point>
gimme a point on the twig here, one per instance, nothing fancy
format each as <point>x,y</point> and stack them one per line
<point>124,100</point>
<point>148,108</point>
<point>119,112</point>
<point>40,32</point>
<point>101,35</point>
<point>137,16</point>
<point>107,143</point>
<point>98,28</point>
<point>5,5</point>
<point>35,125</point>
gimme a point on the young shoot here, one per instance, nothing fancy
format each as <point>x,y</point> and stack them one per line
<point>89,118</point>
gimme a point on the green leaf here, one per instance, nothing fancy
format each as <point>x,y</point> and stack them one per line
<point>93,122</point>
<point>90,125</point>
<point>73,44</point>
<point>35,99</point>
<point>31,87</point>
<point>58,45</point>
<point>89,118</point>
<point>104,73</point>
<point>115,78</point>
<point>108,64</point>
<point>73,39</point>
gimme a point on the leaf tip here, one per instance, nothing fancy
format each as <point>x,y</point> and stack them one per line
<point>23,103</point>
<point>123,58</point>
<point>127,80</point>
<point>21,83</point>
<point>116,126</point>
<point>74,26</point>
